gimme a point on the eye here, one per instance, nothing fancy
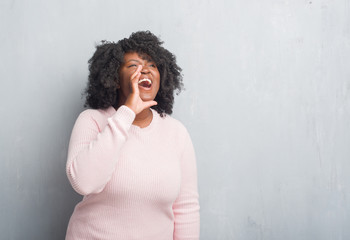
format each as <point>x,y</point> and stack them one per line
<point>132,65</point>
<point>153,65</point>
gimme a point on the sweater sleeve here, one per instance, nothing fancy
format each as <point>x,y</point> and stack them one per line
<point>93,153</point>
<point>186,206</point>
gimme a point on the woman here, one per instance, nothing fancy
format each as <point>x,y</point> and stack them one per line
<point>134,164</point>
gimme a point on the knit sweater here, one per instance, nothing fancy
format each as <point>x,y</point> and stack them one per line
<point>138,183</point>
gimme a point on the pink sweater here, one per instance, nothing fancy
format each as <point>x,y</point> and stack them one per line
<point>138,183</point>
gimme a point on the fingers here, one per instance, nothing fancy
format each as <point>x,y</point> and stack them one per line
<point>133,101</point>
<point>137,71</point>
<point>149,104</point>
<point>135,79</point>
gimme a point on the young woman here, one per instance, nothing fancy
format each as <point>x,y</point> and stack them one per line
<point>134,164</point>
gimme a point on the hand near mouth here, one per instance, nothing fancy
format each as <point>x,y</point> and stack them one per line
<point>133,101</point>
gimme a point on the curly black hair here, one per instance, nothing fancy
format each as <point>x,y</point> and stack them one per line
<point>101,91</point>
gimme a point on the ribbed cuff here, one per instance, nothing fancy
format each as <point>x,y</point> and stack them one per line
<point>123,118</point>
<point>124,114</point>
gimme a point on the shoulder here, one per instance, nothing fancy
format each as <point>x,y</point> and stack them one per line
<point>177,134</point>
<point>95,114</point>
<point>96,117</point>
<point>174,127</point>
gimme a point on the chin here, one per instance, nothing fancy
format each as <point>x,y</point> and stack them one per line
<point>147,98</point>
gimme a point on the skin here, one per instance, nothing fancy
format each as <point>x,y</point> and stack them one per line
<point>137,98</point>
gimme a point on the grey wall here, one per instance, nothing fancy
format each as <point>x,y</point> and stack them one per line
<point>266,103</point>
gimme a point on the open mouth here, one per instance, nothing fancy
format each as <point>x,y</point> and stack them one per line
<point>146,83</point>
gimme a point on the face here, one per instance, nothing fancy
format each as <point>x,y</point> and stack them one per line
<point>149,71</point>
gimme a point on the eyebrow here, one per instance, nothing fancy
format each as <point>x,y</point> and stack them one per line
<point>135,60</point>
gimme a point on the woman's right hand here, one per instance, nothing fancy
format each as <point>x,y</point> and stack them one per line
<point>134,101</point>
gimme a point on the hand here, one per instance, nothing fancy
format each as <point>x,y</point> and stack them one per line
<point>133,101</point>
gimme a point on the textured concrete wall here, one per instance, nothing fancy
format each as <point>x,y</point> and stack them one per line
<point>266,102</point>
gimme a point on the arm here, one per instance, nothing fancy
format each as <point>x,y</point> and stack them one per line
<point>186,206</point>
<point>92,155</point>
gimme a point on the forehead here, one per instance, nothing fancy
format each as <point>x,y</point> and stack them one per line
<point>136,56</point>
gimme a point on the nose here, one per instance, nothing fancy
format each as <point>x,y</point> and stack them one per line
<point>144,69</point>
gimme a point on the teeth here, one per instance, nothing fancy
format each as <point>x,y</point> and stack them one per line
<point>145,80</point>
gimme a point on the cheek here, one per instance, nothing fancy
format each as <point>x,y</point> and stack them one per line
<point>124,79</point>
<point>157,75</point>
<point>123,85</point>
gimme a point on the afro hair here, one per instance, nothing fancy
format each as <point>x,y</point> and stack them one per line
<point>103,82</point>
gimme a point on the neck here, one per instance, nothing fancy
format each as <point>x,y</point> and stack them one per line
<point>144,118</point>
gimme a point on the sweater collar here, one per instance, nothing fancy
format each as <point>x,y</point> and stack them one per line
<point>111,111</point>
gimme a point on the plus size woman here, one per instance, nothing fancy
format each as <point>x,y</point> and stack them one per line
<point>133,163</point>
